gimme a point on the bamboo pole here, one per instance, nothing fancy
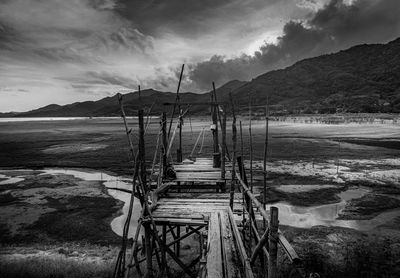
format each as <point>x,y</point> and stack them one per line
<point>219,117</point>
<point>164,255</point>
<point>120,265</point>
<point>251,147</point>
<point>176,100</point>
<point>223,157</point>
<point>273,243</point>
<point>140,96</point>
<point>147,229</point>
<point>259,246</point>
<point>195,144</point>
<point>234,135</point>
<point>241,138</point>
<point>246,200</point>
<point>164,141</point>
<point>265,161</point>
<point>216,154</point>
<point>142,155</point>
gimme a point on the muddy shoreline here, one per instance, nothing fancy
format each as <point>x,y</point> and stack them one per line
<point>294,162</point>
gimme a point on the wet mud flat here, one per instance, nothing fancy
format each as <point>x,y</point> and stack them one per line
<point>67,221</point>
<point>309,168</point>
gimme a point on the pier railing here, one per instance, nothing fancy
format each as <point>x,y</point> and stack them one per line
<point>266,244</point>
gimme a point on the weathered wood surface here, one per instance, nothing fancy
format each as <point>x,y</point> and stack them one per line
<point>224,257</point>
<point>190,207</point>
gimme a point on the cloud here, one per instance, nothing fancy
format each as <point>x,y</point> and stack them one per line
<point>337,25</point>
<point>80,31</point>
<point>77,49</point>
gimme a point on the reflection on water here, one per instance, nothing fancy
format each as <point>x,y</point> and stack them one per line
<point>117,224</point>
<point>297,216</point>
<point>9,180</point>
<point>296,188</point>
<point>326,215</point>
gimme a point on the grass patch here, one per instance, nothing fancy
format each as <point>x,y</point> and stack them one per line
<point>8,199</point>
<point>78,218</point>
<point>336,252</point>
<point>308,198</point>
<point>368,206</point>
<point>59,267</point>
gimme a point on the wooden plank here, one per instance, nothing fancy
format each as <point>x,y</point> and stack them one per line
<point>190,195</point>
<point>214,255</point>
<point>179,221</point>
<point>232,269</point>
<point>165,200</point>
<point>289,250</point>
<point>199,180</point>
<point>204,208</point>
<point>248,273</point>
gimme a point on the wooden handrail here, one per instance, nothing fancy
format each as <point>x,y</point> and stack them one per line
<point>287,247</point>
<point>253,198</point>
<point>259,246</point>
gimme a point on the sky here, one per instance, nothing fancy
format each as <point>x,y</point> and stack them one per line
<point>64,51</point>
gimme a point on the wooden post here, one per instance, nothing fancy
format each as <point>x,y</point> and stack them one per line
<point>216,154</point>
<point>146,225</point>
<point>164,256</point>
<point>242,172</point>
<point>241,138</point>
<point>260,245</point>
<point>251,147</point>
<point>246,200</point>
<point>176,100</point>
<point>140,96</point>
<point>179,152</point>
<point>223,148</point>
<point>273,243</point>
<point>142,156</point>
<point>265,163</point>
<point>234,131</point>
<point>164,141</point>
<point>243,177</point>
<point>220,120</point>
<point>177,245</point>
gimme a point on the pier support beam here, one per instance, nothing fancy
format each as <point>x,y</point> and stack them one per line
<point>273,244</point>
<point>214,128</point>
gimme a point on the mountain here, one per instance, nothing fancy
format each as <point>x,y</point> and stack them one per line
<point>363,78</point>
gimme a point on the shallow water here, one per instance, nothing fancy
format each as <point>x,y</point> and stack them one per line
<point>9,180</point>
<point>296,216</point>
<point>295,188</point>
<point>326,215</point>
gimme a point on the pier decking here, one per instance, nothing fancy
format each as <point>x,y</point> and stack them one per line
<point>205,196</point>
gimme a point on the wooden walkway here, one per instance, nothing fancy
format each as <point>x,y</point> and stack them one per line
<point>200,171</point>
<point>224,254</point>
<point>192,199</point>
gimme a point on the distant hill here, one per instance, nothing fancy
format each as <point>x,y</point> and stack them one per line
<point>363,78</point>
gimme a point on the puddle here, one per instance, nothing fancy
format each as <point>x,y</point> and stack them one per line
<point>73,148</point>
<point>297,216</point>
<point>9,180</point>
<point>296,188</point>
<point>326,215</point>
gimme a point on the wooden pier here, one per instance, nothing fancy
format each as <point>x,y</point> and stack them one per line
<point>209,197</point>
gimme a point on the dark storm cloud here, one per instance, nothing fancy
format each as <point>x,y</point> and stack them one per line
<point>187,18</point>
<point>336,26</point>
<point>70,31</point>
